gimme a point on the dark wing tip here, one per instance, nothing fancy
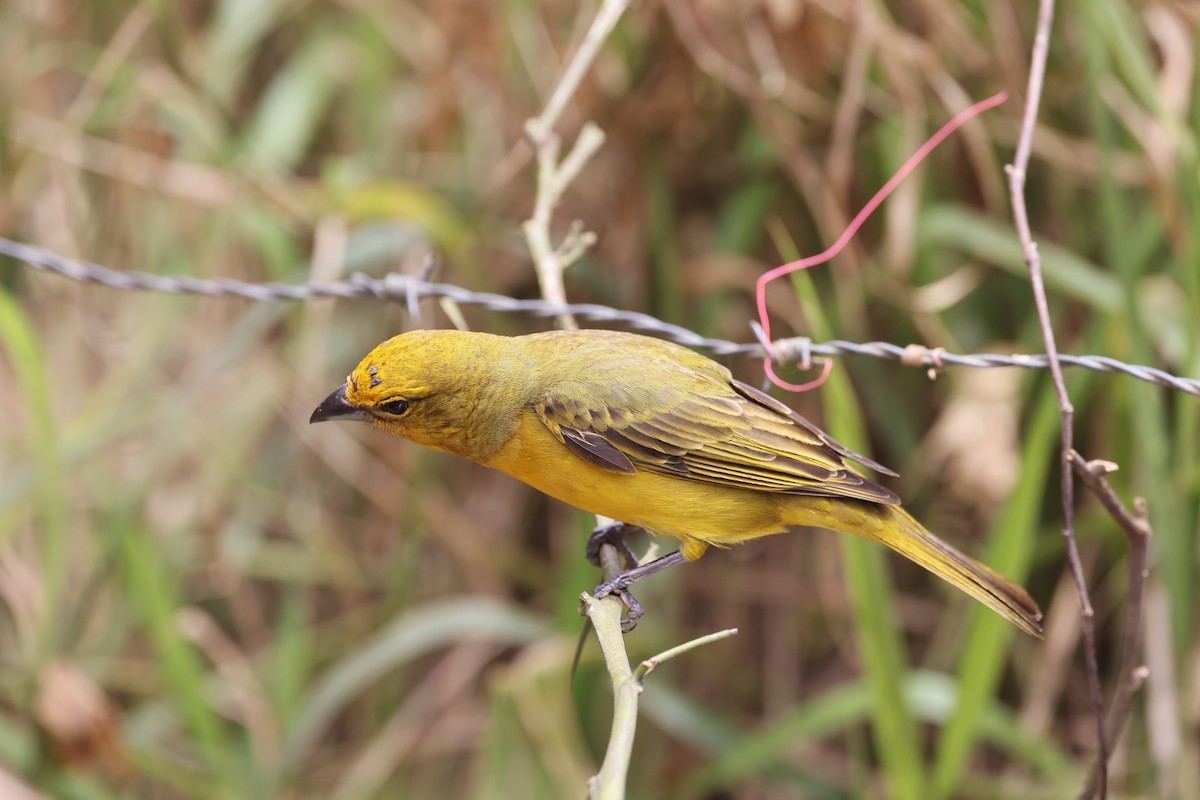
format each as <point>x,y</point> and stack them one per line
<point>594,449</point>
<point>778,406</point>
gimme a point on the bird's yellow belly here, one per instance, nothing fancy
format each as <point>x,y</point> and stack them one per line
<point>697,513</point>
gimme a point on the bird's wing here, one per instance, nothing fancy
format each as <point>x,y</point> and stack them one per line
<point>701,425</point>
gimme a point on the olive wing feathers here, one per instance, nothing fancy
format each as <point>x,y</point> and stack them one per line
<point>699,424</point>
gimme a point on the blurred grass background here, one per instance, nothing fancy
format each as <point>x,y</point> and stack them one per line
<point>201,597</point>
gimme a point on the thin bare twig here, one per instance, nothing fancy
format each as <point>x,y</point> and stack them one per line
<point>555,176</point>
<point>605,614</point>
<point>1130,674</point>
<point>654,662</point>
<point>606,19</point>
<point>1016,176</point>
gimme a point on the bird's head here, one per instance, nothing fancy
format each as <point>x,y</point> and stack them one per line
<point>449,390</point>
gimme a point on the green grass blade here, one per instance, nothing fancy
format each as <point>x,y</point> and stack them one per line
<point>294,106</point>
<point>20,344</point>
<point>238,28</point>
<point>410,636</point>
<point>994,242</point>
<point>711,733</point>
<point>988,636</point>
<point>151,591</point>
<point>882,650</point>
<point>930,696</point>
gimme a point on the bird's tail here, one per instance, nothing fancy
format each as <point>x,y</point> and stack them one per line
<point>895,527</point>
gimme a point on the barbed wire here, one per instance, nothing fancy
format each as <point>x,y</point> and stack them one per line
<point>398,288</point>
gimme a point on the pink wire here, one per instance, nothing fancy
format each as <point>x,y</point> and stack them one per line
<point>811,261</point>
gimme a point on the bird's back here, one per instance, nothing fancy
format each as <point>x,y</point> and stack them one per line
<point>631,368</point>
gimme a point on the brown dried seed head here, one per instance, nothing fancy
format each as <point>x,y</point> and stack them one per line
<point>77,718</point>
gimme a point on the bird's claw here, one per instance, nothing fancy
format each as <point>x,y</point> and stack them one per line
<point>633,611</point>
<point>613,533</point>
<point>619,586</point>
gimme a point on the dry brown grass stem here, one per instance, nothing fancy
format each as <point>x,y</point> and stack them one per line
<point>1135,526</point>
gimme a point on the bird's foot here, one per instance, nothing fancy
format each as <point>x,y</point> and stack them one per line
<point>619,586</point>
<point>613,533</point>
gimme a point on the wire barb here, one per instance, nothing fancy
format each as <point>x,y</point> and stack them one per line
<point>398,288</point>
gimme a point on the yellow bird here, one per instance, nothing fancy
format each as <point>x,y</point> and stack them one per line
<point>648,433</point>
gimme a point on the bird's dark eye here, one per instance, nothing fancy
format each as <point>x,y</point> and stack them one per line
<point>397,406</point>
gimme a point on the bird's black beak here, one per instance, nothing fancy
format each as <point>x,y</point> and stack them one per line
<point>336,407</point>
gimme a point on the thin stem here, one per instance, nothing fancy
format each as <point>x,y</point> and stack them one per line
<point>605,614</point>
<point>553,179</point>
<point>606,19</point>
<point>654,662</point>
<point>1016,174</point>
<point>554,176</point>
<point>1131,674</point>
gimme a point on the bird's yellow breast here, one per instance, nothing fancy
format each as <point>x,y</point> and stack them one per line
<point>698,514</point>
